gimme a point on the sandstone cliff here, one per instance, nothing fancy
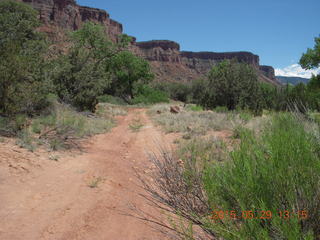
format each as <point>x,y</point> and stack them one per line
<point>167,61</point>
<point>66,14</point>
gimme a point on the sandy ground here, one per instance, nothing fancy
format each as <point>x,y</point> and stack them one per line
<point>45,199</point>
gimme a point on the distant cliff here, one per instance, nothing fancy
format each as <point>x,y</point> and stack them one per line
<point>167,61</point>
<point>292,80</point>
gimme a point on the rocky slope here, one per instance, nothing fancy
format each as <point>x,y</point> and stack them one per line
<point>167,61</point>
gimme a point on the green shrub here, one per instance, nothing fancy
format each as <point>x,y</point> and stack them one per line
<point>232,84</point>
<point>84,73</point>
<point>197,87</point>
<point>129,72</point>
<point>148,95</point>
<point>277,172</point>
<point>25,140</point>
<point>23,82</point>
<point>194,108</point>
<point>56,144</point>
<point>10,126</point>
<point>221,109</point>
<point>36,127</point>
<point>315,116</point>
<point>111,99</point>
<point>184,92</point>
<point>20,121</point>
<point>239,131</point>
<point>176,91</point>
<point>245,115</point>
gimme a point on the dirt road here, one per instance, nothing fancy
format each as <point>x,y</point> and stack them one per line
<point>82,196</point>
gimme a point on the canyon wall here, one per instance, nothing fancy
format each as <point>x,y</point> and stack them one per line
<point>171,64</point>
<point>59,15</point>
<point>165,57</point>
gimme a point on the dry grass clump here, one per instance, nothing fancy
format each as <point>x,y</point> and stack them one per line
<point>61,128</point>
<point>136,125</point>
<point>63,117</point>
<point>175,192</point>
<point>203,150</point>
<point>312,128</point>
<point>110,110</point>
<point>195,122</point>
<point>164,107</point>
<point>177,185</point>
<point>257,124</point>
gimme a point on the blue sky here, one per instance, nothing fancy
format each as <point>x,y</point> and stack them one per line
<point>279,31</point>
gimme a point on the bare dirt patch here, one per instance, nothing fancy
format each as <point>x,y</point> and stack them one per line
<point>80,196</point>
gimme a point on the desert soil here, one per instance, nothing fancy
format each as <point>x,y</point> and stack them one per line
<point>52,200</point>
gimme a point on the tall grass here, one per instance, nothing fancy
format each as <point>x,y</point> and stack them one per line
<point>266,187</point>
<point>277,172</point>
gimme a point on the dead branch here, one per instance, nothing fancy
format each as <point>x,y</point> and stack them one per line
<point>175,193</point>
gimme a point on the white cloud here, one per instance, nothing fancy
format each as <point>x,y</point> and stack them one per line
<point>295,70</point>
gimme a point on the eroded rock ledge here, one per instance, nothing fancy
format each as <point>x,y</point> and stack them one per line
<point>169,63</point>
<point>66,14</point>
<point>164,44</point>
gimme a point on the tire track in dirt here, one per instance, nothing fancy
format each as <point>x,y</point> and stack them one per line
<point>57,202</point>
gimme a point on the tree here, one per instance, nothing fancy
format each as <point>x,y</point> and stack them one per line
<point>196,90</point>
<point>23,85</point>
<point>129,71</point>
<point>176,90</point>
<point>310,60</point>
<point>83,73</point>
<point>232,84</point>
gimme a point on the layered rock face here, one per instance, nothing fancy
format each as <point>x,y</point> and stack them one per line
<point>66,14</point>
<point>170,64</point>
<point>165,57</point>
<point>268,71</point>
<point>203,61</point>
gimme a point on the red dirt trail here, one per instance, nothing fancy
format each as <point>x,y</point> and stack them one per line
<point>43,199</point>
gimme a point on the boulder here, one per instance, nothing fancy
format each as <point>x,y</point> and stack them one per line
<point>174,109</point>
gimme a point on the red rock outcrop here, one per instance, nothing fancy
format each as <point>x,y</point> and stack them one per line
<point>164,44</point>
<point>66,14</point>
<point>156,50</point>
<point>171,64</point>
<point>167,61</point>
<point>268,71</point>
